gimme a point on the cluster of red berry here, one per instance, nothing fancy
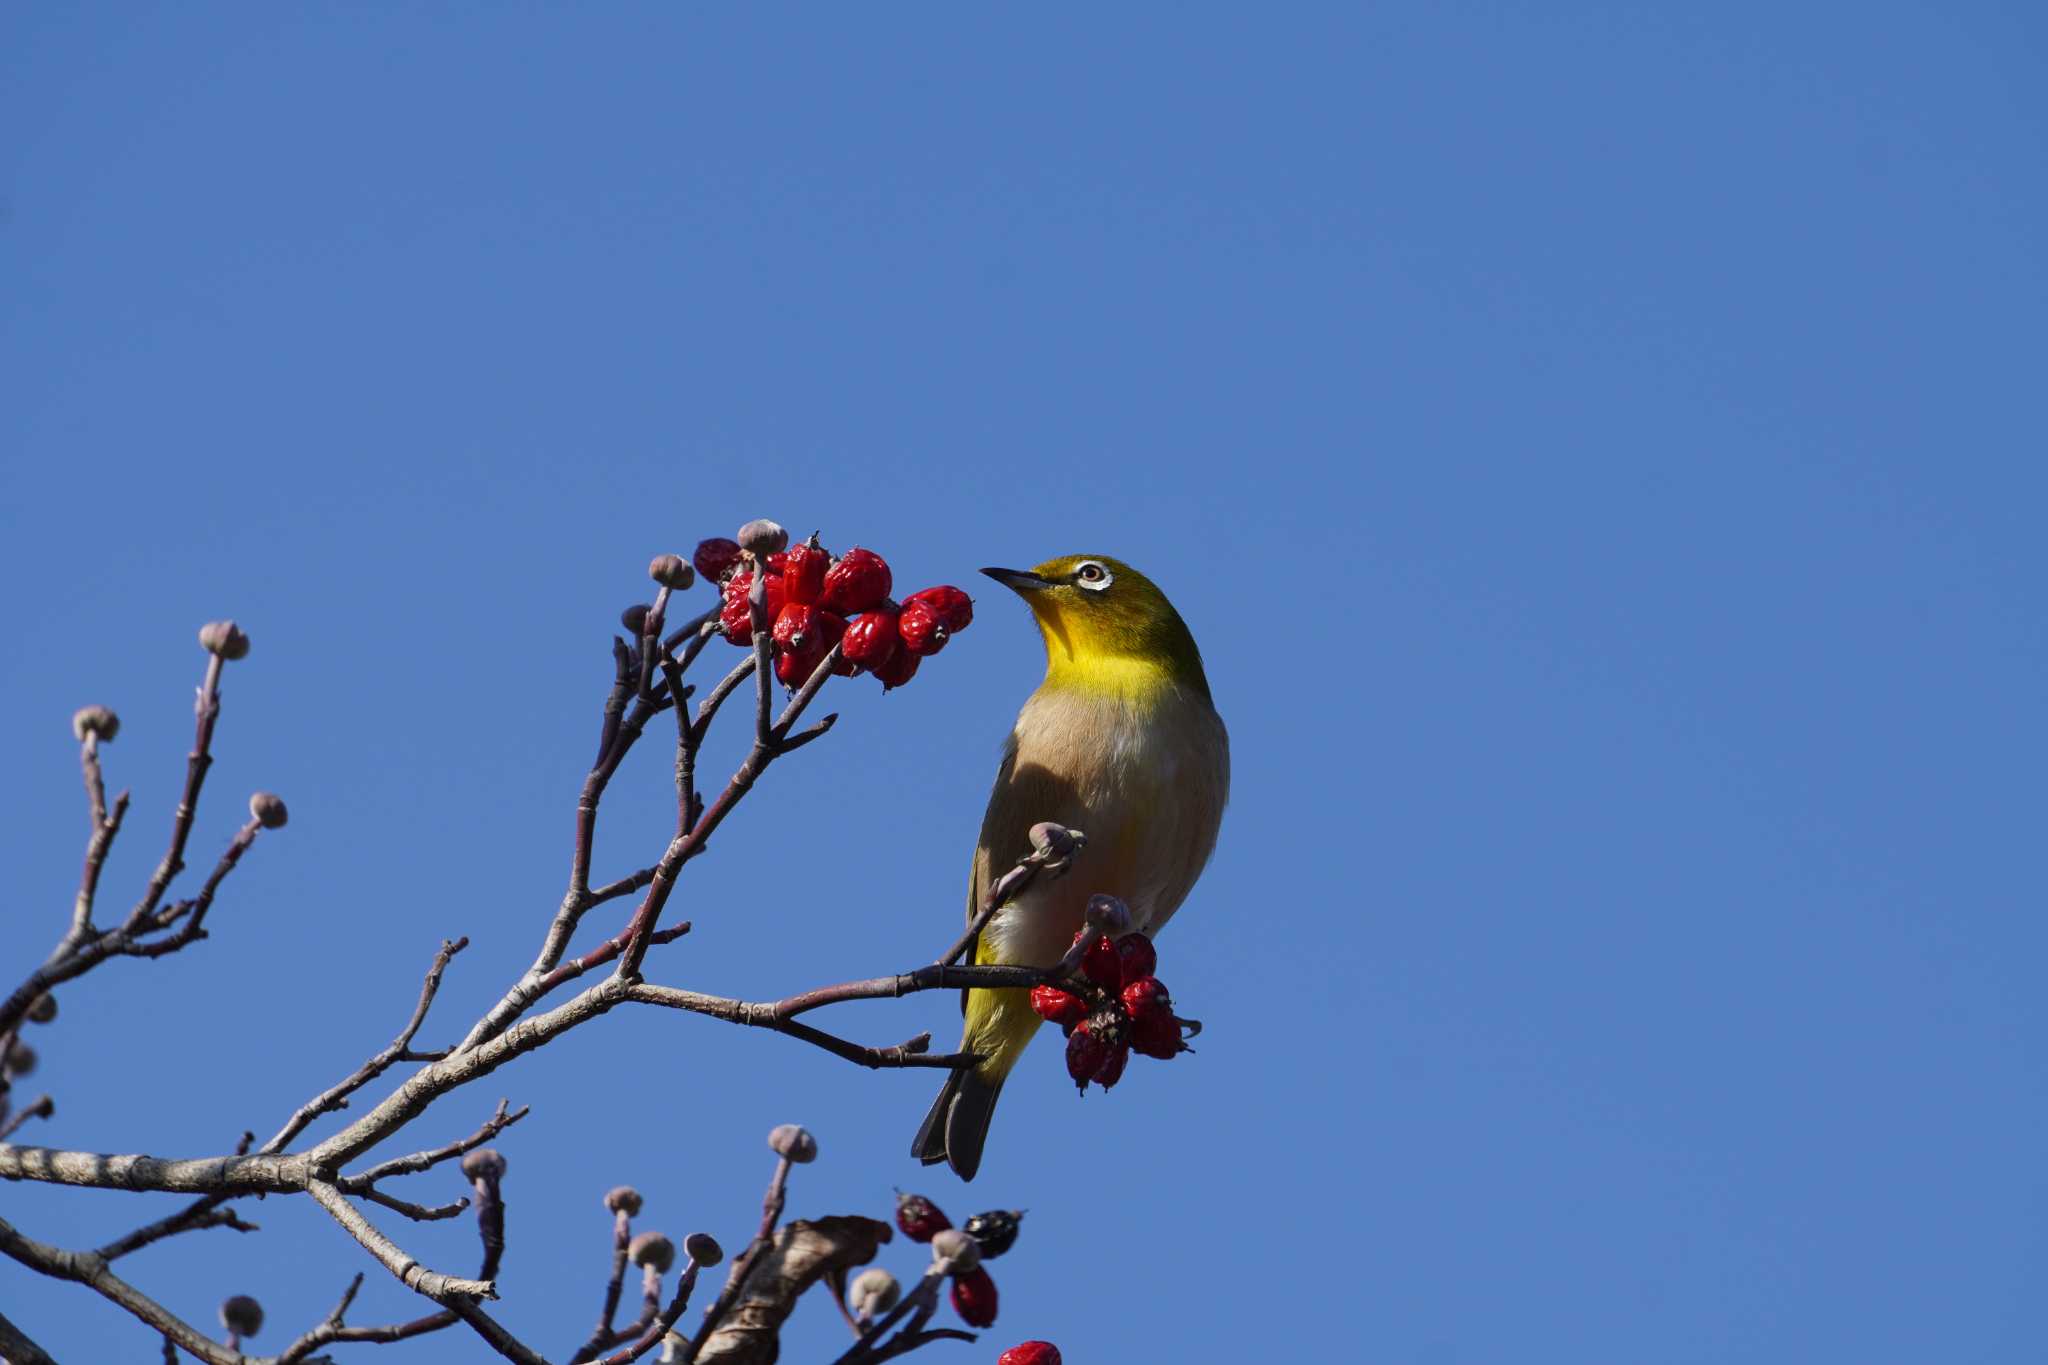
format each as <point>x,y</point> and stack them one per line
<point>993,1233</point>
<point>1115,1007</point>
<point>815,600</point>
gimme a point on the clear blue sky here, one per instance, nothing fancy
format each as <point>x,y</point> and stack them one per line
<point>1600,454</point>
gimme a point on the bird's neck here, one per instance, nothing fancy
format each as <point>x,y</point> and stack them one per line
<point>1119,677</point>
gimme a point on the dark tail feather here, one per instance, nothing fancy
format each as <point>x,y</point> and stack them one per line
<point>957,1126</point>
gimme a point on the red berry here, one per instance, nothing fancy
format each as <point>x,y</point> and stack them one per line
<point>778,563</point>
<point>1101,963</point>
<point>1030,1353</point>
<point>921,628</point>
<point>1085,1053</point>
<point>715,558</point>
<point>898,671</point>
<point>1146,993</point>
<point>1140,959</point>
<point>919,1217</point>
<point>805,570</point>
<point>858,581</point>
<point>1156,1033</point>
<point>954,607</point>
<point>735,617</point>
<point>974,1298</point>
<point>1056,1006</point>
<point>871,640</point>
<point>1112,1069</point>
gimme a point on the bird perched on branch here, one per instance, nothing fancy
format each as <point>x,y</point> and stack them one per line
<point>1120,741</point>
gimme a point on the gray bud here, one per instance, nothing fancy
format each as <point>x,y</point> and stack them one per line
<point>622,1199</point>
<point>268,810</point>
<point>671,571</point>
<point>762,538</point>
<point>874,1293</point>
<point>43,1010</point>
<point>794,1142</point>
<point>21,1061</point>
<point>485,1163</point>
<point>652,1251</point>
<point>94,720</point>
<point>1108,915</point>
<point>954,1252</point>
<point>703,1248</point>
<point>223,638</point>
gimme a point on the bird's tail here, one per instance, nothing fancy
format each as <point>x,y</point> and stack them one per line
<point>1000,1024</point>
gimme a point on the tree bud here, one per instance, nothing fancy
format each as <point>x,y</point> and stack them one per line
<point>671,572</point>
<point>242,1315</point>
<point>793,1142</point>
<point>622,1199</point>
<point>874,1293</point>
<point>43,1010</point>
<point>267,809</point>
<point>762,538</point>
<point>21,1061</point>
<point>703,1248</point>
<point>634,619</point>
<point>954,1252</point>
<point>223,638</point>
<point>1107,914</point>
<point>94,720</point>
<point>1054,841</point>
<point>485,1163</point>
<point>652,1251</point>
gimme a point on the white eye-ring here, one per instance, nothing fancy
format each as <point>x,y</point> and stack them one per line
<point>1093,576</point>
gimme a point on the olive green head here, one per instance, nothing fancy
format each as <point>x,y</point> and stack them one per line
<point>1106,626</point>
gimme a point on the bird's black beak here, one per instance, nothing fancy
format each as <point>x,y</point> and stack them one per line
<point>1018,580</point>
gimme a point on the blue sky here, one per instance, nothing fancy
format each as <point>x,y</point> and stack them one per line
<point>1600,454</point>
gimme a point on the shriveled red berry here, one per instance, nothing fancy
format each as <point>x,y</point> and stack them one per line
<point>1085,1054</point>
<point>871,640</point>
<point>1102,965</point>
<point>1139,957</point>
<point>898,671</point>
<point>1112,1069</point>
<point>715,558</point>
<point>858,581</point>
<point>955,608</point>
<point>922,630</point>
<point>1056,1006</point>
<point>974,1298</point>
<point>1030,1353</point>
<point>735,617</point>
<point>804,568</point>
<point>1146,993</point>
<point>920,1219</point>
<point>1155,1032</point>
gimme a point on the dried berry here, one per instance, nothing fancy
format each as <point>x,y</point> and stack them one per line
<point>899,670</point>
<point>922,630</point>
<point>1030,1353</point>
<point>871,639</point>
<point>735,616</point>
<point>974,1299</point>
<point>857,582</point>
<point>1139,957</point>
<point>919,1217</point>
<point>1085,1053</point>
<point>1146,994</point>
<point>804,567</point>
<point>1156,1033</point>
<point>954,607</point>
<point>996,1230</point>
<point>1101,964</point>
<point>1056,1006</point>
<point>715,558</point>
<point>1112,1069</point>
<point>43,1010</point>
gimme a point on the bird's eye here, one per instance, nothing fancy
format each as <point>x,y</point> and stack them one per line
<point>1092,576</point>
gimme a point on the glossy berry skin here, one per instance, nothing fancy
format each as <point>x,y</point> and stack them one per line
<point>1030,1353</point>
<point>804,569</point>
<point>1102,965</point>
<point>922,631</point>
<point>808,630</point>
<point>871,640</point>
<point>1085,1054</point>
<point>919,1218</point>
<point>954,607</point>
<point>995,1231</point>
<point>898,671</point>
<point>715,558</point>
<point>1145,994</point>
<point>735,617</point>
<point>860,580</point>
<point>1139,957</point>
<point>1056,1006</point>
<point>974,1298</point>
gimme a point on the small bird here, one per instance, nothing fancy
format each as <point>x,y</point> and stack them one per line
<point>1121,742</point>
